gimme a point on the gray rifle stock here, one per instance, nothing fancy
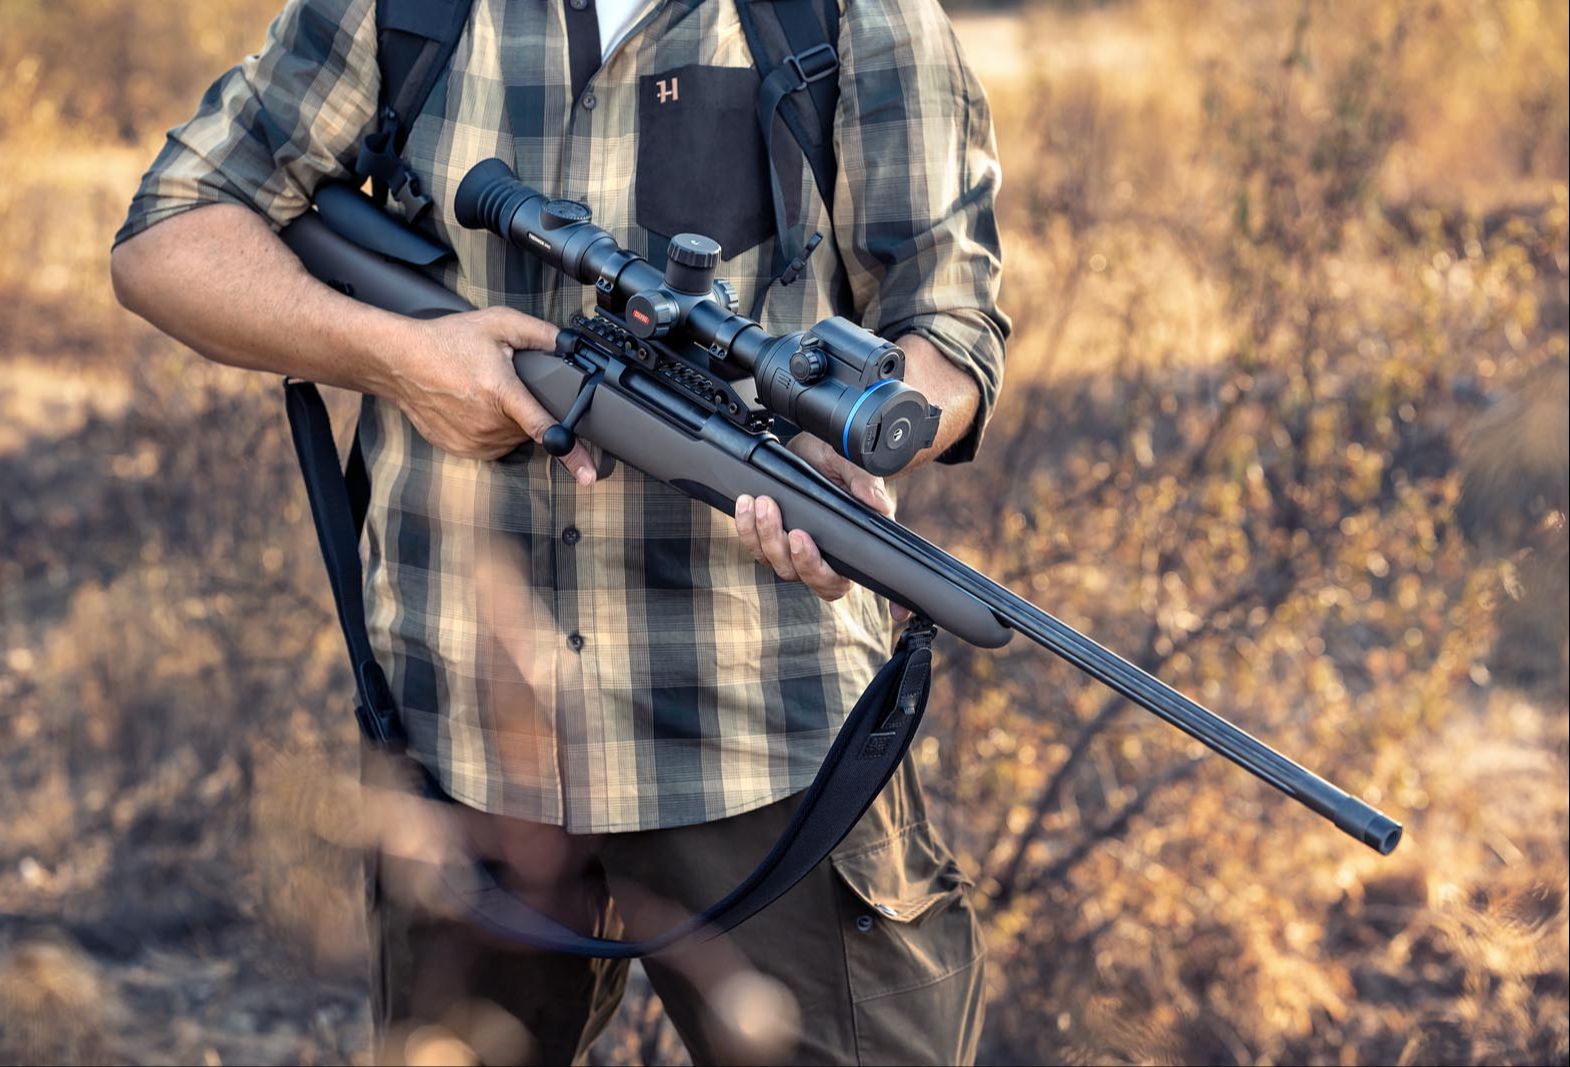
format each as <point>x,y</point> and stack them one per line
<point>633,417</point>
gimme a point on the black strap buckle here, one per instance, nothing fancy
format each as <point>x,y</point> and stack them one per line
<point>389,173</point>
<point>799,264</point>
<point>813,65</point>
<point>410,195</point>
<point>377,713</point>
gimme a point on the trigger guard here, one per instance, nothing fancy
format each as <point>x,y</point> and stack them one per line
<point>604,462</point>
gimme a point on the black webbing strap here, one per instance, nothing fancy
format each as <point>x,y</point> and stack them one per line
<point>860,762</point>
<point>415,40</point>
<point>864,756</point>
<point>583,45</point>
<point>338,502</point>
<point>809,29</point>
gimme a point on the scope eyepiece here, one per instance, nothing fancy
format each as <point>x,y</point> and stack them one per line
<point>488,196</point>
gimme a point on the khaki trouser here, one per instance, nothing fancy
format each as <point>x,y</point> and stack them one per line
<point>879,949</point>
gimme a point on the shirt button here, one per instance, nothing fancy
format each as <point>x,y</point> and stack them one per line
<point>578,5</point>
<point>570,536</point>
<point>575,642</point>
<point>864,923</point>
<point>588,101</point>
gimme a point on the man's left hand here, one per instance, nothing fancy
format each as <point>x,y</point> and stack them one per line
<point>792,553</point>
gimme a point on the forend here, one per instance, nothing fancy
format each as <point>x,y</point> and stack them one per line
<point>837,381</point>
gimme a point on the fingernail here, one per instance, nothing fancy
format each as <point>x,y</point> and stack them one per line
<point>798,542</point>
<point>743,504</point>
<point>585,477</point>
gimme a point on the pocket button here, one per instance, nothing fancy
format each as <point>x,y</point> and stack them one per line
<point>864,923</point>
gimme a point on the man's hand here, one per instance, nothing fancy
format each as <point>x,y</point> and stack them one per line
<point>793,554</point>
<point>455,381</point>
<point>220,280</point>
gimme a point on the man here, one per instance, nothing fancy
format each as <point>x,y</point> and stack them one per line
<point>601,670</point>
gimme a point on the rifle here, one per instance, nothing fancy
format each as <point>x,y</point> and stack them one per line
<point>669,378</point>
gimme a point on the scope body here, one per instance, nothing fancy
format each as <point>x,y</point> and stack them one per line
<point>837,381</point>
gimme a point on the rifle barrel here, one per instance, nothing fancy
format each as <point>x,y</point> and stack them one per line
<point>1351,815</point>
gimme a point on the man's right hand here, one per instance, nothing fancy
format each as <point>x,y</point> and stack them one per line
<point>220,280</point>
<point>455,381</point>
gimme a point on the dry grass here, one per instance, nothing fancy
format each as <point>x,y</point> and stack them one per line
<point>1285,420</point>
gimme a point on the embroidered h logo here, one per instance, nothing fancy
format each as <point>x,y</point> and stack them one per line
<point>668,90</point>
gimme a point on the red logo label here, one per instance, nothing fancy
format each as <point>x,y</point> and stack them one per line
<point>641,317</point>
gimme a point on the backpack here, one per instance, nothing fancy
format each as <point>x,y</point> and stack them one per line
<point>792,43</point>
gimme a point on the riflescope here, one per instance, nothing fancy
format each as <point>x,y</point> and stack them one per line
<point>836,381</point>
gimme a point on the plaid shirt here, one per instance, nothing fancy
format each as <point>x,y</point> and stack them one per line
<point>611,659</point>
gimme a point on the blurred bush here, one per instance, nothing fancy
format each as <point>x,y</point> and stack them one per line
<point>108,68</point>
<point>1285,420</point>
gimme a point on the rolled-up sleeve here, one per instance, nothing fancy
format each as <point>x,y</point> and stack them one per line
<point>914,204</point>
<point>272,128</point>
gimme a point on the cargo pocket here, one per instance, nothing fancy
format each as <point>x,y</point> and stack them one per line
<point>913,951</point>
<point>701,167</point>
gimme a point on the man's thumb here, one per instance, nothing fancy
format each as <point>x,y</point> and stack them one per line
<point>520,406</point>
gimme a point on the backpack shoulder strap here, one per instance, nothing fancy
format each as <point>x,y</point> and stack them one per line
<point>795,45</point>
<point>415,40</point>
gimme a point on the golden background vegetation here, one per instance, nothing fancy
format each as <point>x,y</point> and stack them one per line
<point>1285,420</point>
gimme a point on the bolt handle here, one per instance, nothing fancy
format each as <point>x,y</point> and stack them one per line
<point>559,437</point>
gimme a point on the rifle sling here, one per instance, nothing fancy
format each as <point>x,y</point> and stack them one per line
<point>860,762</point>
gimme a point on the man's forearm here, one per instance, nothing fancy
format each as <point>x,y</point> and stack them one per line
<point>220,280</point>
<point>943,384</point>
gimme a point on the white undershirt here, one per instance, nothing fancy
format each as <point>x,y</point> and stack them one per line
<point>616,18</point>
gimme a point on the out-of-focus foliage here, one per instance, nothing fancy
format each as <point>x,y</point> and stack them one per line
<point>1285,420</point>
<point>109,68</point>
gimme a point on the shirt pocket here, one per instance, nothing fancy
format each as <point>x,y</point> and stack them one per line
<point>701,167</point>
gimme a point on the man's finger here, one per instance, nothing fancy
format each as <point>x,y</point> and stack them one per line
<point>818,575</point>
<point>747,527</point>
<point>521,407</point>
<point>771,537</point>
<point>522,332</point>
<point>869,489</point>
<point>582,467</point>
